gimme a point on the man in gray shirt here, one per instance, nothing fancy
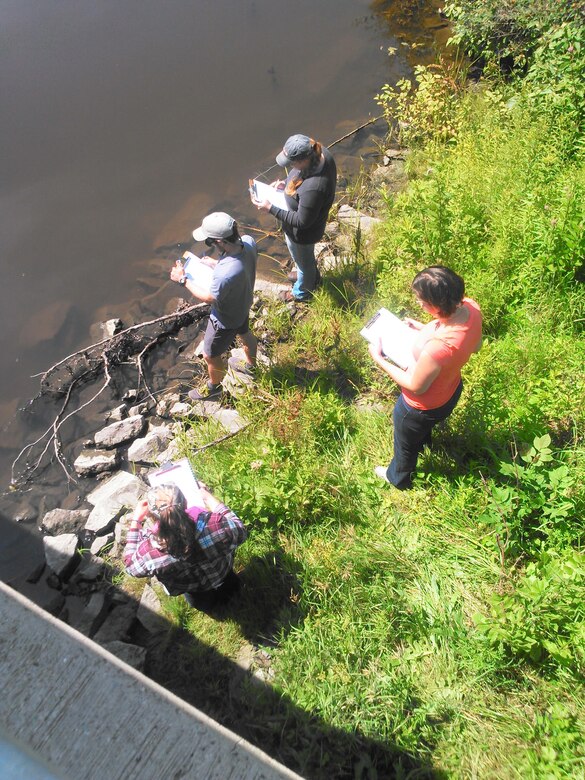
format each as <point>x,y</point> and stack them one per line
<point>230,294</point>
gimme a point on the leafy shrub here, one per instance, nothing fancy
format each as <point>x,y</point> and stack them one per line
<point>536,509</point>
<point>507,30</point>
<point>556,79</point>
<point>427,110</point>
<point>556,740</point>
<point>543,619</point>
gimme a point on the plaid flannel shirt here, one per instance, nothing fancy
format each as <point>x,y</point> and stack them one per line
<point>219,534</point>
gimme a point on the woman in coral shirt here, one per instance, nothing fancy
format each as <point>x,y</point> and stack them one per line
<point>432,384</point>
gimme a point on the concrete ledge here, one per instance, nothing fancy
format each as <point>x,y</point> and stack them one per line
<point>86,714</point>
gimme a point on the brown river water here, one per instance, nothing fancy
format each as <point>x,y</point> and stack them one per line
<point>124,123</point>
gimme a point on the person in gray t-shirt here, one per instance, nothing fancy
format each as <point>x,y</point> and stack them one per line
<point>230,294</point>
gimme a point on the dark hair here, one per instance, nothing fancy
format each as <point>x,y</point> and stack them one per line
<point>176,529</point>
<point>440,287</point>
<point>315,157</point>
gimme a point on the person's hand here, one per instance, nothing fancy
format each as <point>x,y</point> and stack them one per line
<point>261,205</point>
<point>375,350</point>
<point>177,272</point>
<point>415,324</point>
<point>210,261</point>
<point>139,513</point>
<point>279,184</point>
<point>210,501</point>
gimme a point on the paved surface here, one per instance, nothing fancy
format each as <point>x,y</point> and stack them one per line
<point>83,714</point>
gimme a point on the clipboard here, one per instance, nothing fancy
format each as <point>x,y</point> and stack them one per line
<point>181,474</point>
<point>397,338</point>
<point>261,191</point>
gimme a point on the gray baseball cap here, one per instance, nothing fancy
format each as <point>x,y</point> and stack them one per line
<point>215,225</point>
<point>297,147</point>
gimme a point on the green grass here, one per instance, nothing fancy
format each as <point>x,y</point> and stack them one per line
<point>377,607</point>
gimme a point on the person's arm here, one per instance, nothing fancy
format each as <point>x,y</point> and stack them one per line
<point>310,202</point>
<point>223,526</point>
<point>202,293</point>
<point>416,379</point>
<point>414,324</point>
<point>141,559</point>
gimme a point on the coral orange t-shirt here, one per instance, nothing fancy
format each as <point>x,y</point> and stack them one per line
<point>451,346</point>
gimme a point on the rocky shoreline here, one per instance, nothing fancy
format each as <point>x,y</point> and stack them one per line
<point>83,531</point>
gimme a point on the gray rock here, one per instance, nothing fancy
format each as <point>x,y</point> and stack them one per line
<point>105,330</point>
<point>138,409</point>
<point>120,432</point>
<point>133,655</point>
<point>148,448</point>
<point>229,419</point>
<point>165,404</point>
<point>171,453</point>
<point>60,552</point>
<point>103,516</point>
<point>117,414</point>
<point>101,542</point>
<point>393,154</point>
<point>92,616</point>
<point>270,289</point>
<point>180,410</point>
<point>64,521</point>
<point>122,488</point>
<point>46,598</point>
<point>91,568</point>
<point>91,462</point>
<point>117,624</point>
<point>150,612</point>
<point>351,217</point>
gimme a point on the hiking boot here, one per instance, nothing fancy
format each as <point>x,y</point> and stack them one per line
<point>241,366</point>
<point>210,393</point>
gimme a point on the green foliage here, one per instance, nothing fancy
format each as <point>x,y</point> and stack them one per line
<point>502,203</point>
<point>556,78</point>
<point>535,507</point>
<point>427,110</point>
<point>375,633</point>
<point>543,619</point>
<point>557,741</point>
<point>507,30</point>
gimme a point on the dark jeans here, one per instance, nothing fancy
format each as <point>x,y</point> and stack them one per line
<point>207,600</point>
<point>412,431</point>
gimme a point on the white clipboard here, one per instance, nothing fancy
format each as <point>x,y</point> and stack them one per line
<point>261,191</point>
<point>181,474</point>
<point>397,337</point>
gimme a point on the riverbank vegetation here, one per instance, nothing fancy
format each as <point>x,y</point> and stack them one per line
<point>439,631</point>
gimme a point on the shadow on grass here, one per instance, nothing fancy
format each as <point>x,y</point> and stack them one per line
<point>229,692</point>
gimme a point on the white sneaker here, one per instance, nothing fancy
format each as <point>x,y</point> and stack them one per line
<point>380,471</point>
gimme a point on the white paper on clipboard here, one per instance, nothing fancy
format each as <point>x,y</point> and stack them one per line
<point>397,337</point>
<point>181,474</point>
<point>262,192</point>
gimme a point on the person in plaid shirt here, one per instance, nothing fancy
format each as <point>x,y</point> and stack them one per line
<point>190,550</point>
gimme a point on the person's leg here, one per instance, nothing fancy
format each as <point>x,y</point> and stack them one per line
<point>250,344</point>
<point>304,258</point>
<point>216,341</point>
<point>215,369</point>
<point>207,600</point>
<point>411,430</point>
